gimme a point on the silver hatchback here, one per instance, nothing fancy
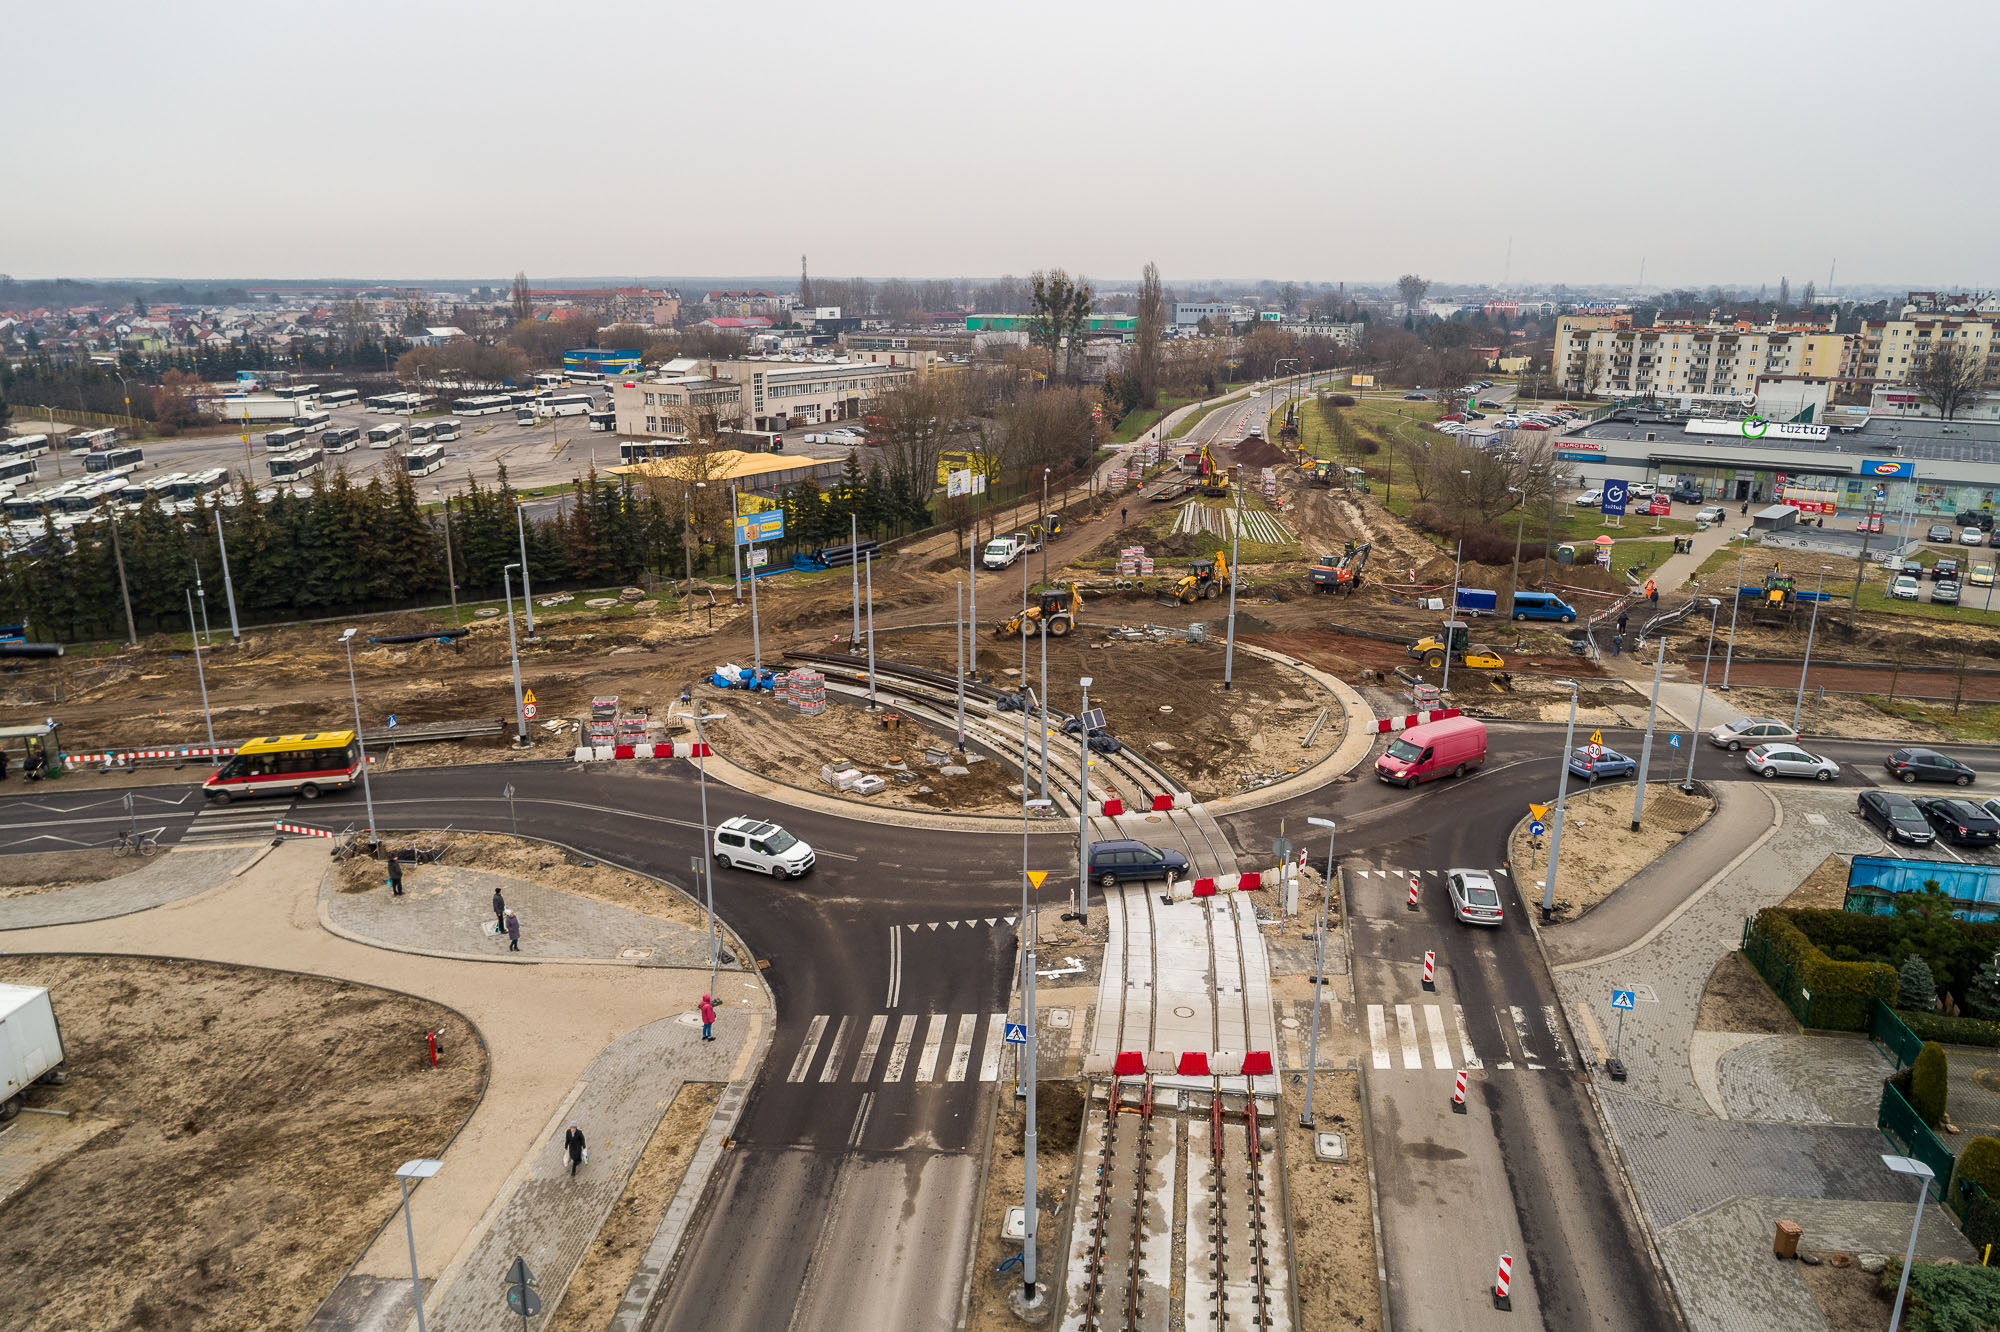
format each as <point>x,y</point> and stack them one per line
<point>1475,899</point>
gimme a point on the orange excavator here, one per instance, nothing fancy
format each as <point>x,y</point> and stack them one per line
<point>1342,572</point>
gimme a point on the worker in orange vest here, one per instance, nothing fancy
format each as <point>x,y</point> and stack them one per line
<point>1653,593</point>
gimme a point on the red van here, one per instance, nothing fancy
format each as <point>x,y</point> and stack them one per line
<point>1449,748</point>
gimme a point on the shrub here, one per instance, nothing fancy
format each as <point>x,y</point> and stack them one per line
<point>1947,1298</point>
<point>1979,1163</point>
<point>1929,1084</point>
<point>1982,992</point>
<point>1842,992</point>
<point>1340,399</point>
<point>1916,988</point>
<point>1952,1030</point>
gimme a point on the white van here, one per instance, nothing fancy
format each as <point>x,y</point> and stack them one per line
<point>754,844</point>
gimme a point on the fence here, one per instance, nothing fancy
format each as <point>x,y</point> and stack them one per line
<point>1894,1036</point>
<point>1901,1124</point>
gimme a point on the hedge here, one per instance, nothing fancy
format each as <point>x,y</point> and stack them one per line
<point>1930,1084</point>
<point>1842,992</point>
<point>1951,1030</point>
<point>1979,1164</point>
<point>1946,1297</point>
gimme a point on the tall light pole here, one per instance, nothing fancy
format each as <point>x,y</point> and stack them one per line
<point>871,635</point>
<point>409,1170</point>
<point>1562,793</point>
<point>1694,736</point>
<point>1319,969</point>
<point>1811,628</point>
<point>527,593</point>
<point>1042,704</point>
<point>1451,607</point>
<point>514,655</point>
<point>1646,747</point>
<point>1045,532</point>
<point>1735,604</point>
<point>228,587</point>
<point>756,639</point>
<point>1028,1293</point>
<point>1520,529</point>
<point>854,575</point>
<point>1909,1165</point>
<point>1229,646</point>
<point>360,744</point>
<point>735,541</point>
<point>450,569</point>
<point>707,838</point>
<point>1083,814</point>
<point>200,676</point>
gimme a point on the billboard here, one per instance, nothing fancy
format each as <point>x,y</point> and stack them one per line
<point>767,526</point>
<point>1871,467</point>
<point>1613,503</point>
<point>1361,381</point>
<point>1756,427</point>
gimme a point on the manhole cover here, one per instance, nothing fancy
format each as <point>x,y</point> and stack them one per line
<point>689,1019</point>
<point>1154,818</point>
<point>1059,1018</point>
<point>1290,1024</point>
<point>635,954</point>
<point>1817,820</point>
<point>1183,1012</point>
<point>1330,1146</point>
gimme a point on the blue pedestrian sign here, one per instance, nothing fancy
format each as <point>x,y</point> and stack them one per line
<point>1536,828</point>
<point>1017,1033</point>
<point>1675,740</point>
<point>1622,998</point>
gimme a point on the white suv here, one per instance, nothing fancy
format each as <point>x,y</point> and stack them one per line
<point>754,844</point>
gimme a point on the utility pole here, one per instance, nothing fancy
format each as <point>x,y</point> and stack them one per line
<point>735,541</point>
<point>124,590</point>
<point>958,636</point>
<point>514,654</point>
<point>200,676</point>
<point>1694,736</point>
<point>1562,793</point>
<point>854,575</point>
<point>1735,604</point>
<point>1083,816</point>
<point>527,593</point>
<point>228,588</point>
<point>871,635</point>
<point>450,571</point>
<point>1229,647</point>
<point>1646,748</point>
<point>1319,969</point>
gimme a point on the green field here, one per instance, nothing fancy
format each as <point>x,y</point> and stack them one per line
<point>1138,422</point>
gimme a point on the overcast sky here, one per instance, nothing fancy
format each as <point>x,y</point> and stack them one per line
<point>1716,140</point>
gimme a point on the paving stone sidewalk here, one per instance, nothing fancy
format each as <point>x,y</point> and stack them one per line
<point>448,909</point>
<point>165,878</point>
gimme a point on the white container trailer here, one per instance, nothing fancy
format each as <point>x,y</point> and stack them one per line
<point>31,1046</point>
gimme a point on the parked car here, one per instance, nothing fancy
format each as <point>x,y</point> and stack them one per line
<point>1980,575</point>
<point>1945,594</point>
<point>1960,822</point>
<point>1993,540</point>
<point>755,844</point>
<point>1945,571</point>
<point>1971,536</point>
<point>1475,899</point>
<point>1906,588</point>
<point>1975,518</point>
<point>1939,533</point>
<point>1927,765</point>
<point>1113,862</point>
<point>1896,815</point>
<point>1789,761</point>
<point>1687,495</point>
<point>1532,425</point>
<point>1589,497</point>
<point>1416,397</point>
<point>1712,514</point>
<point>1606,762</point>
<point>1746,732</point>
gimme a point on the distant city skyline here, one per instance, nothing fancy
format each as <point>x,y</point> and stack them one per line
<point>1578,145</point>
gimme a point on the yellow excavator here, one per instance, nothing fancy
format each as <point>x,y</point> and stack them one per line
<point>1432,652</point>
<point>1055,606</point>
<point>1214,476</point>
<point>1203,580</point>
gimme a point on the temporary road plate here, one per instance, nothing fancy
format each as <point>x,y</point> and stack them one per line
<point>1622,998</point>
<point>1017,1033</point>
<point>1536,828</point>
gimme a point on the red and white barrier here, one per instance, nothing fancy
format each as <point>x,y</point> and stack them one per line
<point>1383,725</point>
<point>1193,1063</point>
<point>685,749</point>
<point>1430,969</point>
<point>120,756</point>
<point>1503,1281</point>
<point>1211,885</point>
<point>1413,892</point>
<point>1458,1095</point>
<point>303,830</point>
<point>1115,806</point>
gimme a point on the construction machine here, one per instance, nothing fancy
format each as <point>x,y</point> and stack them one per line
<point>1203,580</point>
<point>1055,607</point>
<point>1342,572</point>
<point>1431,651</point>
<point>1214,476</point>
<point>1324,474</point>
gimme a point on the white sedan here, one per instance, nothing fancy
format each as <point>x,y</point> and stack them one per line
<point>1789,761</point>
<point>1589,497</point>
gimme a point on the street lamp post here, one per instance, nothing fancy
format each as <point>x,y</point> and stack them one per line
<point>200,676</point>
<point>409,1170</point>
<point>1229,647</point>
<point>228,587</point>
<point>854,576</point>
<point>1520,529</point>
<point>960,632</point>
<point>1045,529</point>
<point>1811,628</point>
<point>1042,705</point>
<point>1908,1165</point>
<point>124,589</point>
<point>1562,794</point>
<point>707,838</point>
<point>514,655</point>
<point>1694,736</point>
<point>1319,969</point>
<point>450,565</point>
<point>1736,604</point>
<point>1451,607</point>
<point>1029,1295</point>
<point>871,634</point>
<point>1083,814</point>
<point>360,743</point>
<point>527,593</point>
<point>1646,748</point>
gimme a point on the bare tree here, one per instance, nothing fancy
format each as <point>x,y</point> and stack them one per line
<point>1412,289</point>
<point>524,301</point>
<point>1949,376</point>
<point>1058,312</point>
<point>1152,328</point>
<point>918,418</point>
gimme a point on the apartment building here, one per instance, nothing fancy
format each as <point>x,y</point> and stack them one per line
<point>662,408</point>
<point>1603,354</point>
<point>1885,350</point>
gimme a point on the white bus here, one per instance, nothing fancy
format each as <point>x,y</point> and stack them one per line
<point>585,376</point>
<point>488,404</point>
<point>86,441</point>
<point>296,465</point>
<point>424,459</point>
<point>339,397</point>
<point>445,431</point>
<point>15,470</point>
<point>312,422</point>
<point>340,439</point>
<point>565,404</point>
<point>639,450</point>
<point>386,436</point>
<point>285,440</point>
<point>24,446</point>
<point>606,421</point>
<point>295,391</point>
<point>420,432</point>
<point>547,380</point>
<point>116,461</point>
<point>194,485</point>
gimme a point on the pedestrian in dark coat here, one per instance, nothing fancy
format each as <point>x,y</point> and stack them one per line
<point>707,1018</point>
<point>395,877</point>
<point>499,913</point>
<point>573,1146</point>
<point>513,931</point>
<point>1621,621</point>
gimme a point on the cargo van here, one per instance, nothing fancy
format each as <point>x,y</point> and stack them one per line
<point>1448,748</point>
<point>1543,606</point>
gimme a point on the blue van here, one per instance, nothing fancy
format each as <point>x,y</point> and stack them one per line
<point>1543,606</point>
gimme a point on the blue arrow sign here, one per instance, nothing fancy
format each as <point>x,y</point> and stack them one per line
<point>1017,1033</point>
<point>1536,828</point>
<point>1622,998</point>
<point>1674,740</point>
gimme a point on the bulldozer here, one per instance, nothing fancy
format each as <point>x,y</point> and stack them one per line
<point>1203,580</point>
<point>1342,572</point>
<point>1459,645</point>
<point>1055,607</point>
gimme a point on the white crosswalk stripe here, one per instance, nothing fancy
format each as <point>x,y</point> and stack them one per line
<point>869,1045</point>
<point>233,823</point>
<point>948,1047</point>
<point>899,1053</point>
<point>832,1069</point>
<point>814,1031</point>
<point>1400,1034</point>
<point>961,1054</point>
<point>996,1040</point>
<point>933,1043</point>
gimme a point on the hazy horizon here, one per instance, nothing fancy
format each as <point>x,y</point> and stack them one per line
<point>903,141</point>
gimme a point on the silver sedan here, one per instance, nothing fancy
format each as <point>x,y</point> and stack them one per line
<point>1475,899</point>
<point>1789,761</point>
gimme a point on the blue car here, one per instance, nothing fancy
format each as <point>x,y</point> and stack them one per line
<point>1606,762</point>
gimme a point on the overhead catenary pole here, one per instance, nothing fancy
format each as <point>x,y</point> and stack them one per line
<point>200,676</point>
<point>1806,664</point>
<point>1042,707</point>
<point>124,590</point>
<point>527,593</point>
<point>854,575</point>
<point>972,602</point>
<point>1646,746</point>
<point>1229,646</point>
<point>360,743</point>
<point>450,564</point>
<point>1562,793</point>
<point>1735,604</point>
<point>959,634</point>
<point>228,587</point>
<point>1319,970</point>
<point>756,639</point>
<point>871,635</point>
<point>735,540</point>
<point>1083,814</point>
<point>514,655</point>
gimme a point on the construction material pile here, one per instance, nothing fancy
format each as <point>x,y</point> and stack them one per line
<point>804,690</point>
<point>1134,560</point>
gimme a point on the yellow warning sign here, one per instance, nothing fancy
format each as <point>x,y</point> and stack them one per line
<point>1537,811</point>
<point>528,697</point>
<point>1597,737</point>
<point>1035,878</point>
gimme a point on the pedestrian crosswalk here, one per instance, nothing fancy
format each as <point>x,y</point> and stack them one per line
<point>217,824</point>
<point>911,1047</point>
<point>1401,1035</point>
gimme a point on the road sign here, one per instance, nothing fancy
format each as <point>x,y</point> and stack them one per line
<point>1536,828</point>
<point>528,697</point>
<point>1674,740</point>
<point>528,711</point>
<point>392,721</point>
<point>1622,998</point>
<point>767,526</point>
<point>519,1274</point>
<point>523,1301</point>
<point>1017,1033</point>
<point>759,558</point>
<point>1035,877</point>
<point>1597,737</point>
<point>1281,848</point>
<point>1538,811</point>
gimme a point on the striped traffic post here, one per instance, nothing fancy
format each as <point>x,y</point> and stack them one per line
<point>1430,969</point>
<point>1413,892</point>
<point>1501,1300</point>
<point>1458,1095</point>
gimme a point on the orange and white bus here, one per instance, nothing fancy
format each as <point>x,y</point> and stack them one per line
<point>300,765</point>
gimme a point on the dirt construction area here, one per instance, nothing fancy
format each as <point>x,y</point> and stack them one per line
<point>257,1119</point>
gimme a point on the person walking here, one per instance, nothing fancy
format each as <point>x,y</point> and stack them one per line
<point>707,1018</point>
<point>1621,621</point>
<point>575,1148</point>
<point>1121,515</point>
<point>395,877</point>
<point>1616,641</point>
<point>499,912</point>
<point>513,931</point>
